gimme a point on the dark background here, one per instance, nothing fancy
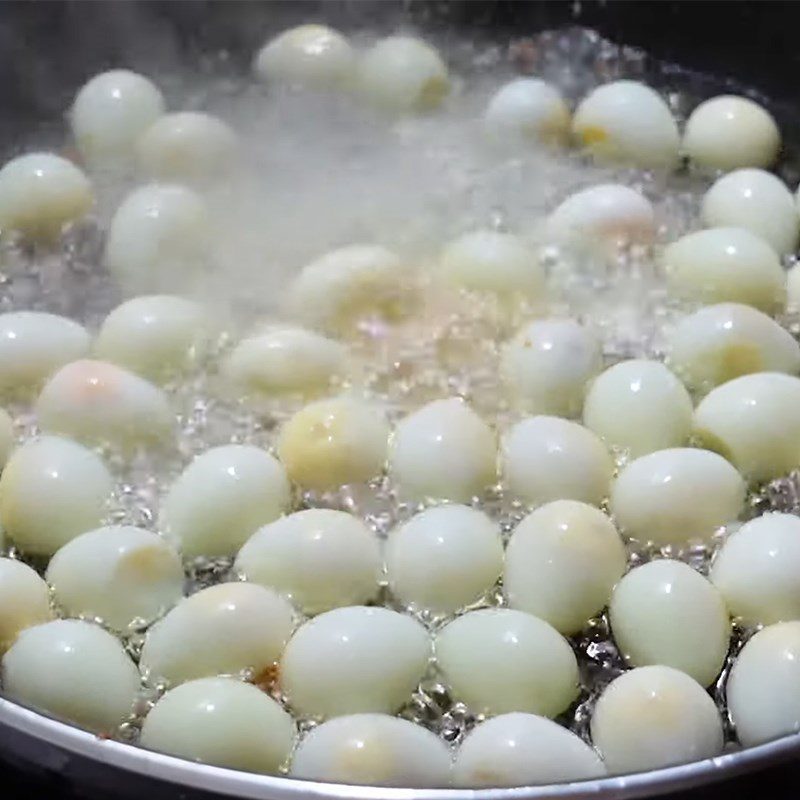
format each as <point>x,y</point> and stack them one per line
<point>47,49</point>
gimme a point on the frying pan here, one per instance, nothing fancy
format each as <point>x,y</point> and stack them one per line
<point>47,49</point>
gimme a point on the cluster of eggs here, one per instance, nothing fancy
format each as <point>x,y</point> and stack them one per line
<point>663,454</point>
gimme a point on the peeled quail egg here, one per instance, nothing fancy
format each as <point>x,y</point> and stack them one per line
<point>120,574</point>
<point>721,265</point>
<point>754,422</point>
<point>374,750</point>
<point>445,451</point>
<point>73,670</point>
<point>529,111</point>
<point>627,121</point>
<point>319,558</point>
<point>562,562</point>
<point>608,213</point>
<point>547,364</point>
<point>724,341</point>
<point>664,612</point>
<point>40,193</point>
<point>638,406</point>
<point>221,630</point>
<point>793,289</point>
<point>97,402</point>
<point>110,112</point>
<point>155,335</point>
<point>654,497</point>
<point>221,721</point>
<point>34,344</point>
<point>758,570</point>
<point>6,436</point>
<point>354,659</point>
<point>758,201</point>
<point>402,73</point>
<point>491,261</point>
<point>187,146</point>
<point>346,286</point>
<point>523,750</point>
<point>51,490</point>
<point>158,239</point>
<point>444,558</point>
<point>314,55</point>
<point>498,660</point>
<point>285,359</point>
<point>548,458</point>
<point>728,132</point>
<point>222,498</point>
<point>654,717</point>
<point>24,600</point>
<point>761,691</point>
<point>332,443</point>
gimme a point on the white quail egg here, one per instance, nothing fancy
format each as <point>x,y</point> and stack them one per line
<point>562,562</point>
<point>654,499</point>
<point>24,600</point>
<point>498,660</point>
<point>728,132</point>
<point>654,717</point>
<point>222,630</point>
<point>549,458</point>
<point>547,364</point>
<point>664,612</point>
<point>444,558</point>
<point>523,750</point>
<point>51,490</point>
<point>373,750</point>
<point>221,721</point>
<point>443,451</point>
<point>638,406</point>
<point>222,498</point>
<point>627,121</point>
<point>73,670</point>
<point>354,659</point>
<point>319,558</point>
<point>120,574</point>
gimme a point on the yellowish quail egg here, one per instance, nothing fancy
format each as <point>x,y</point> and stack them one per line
<point>352,660</point>
<point>664,612</point>
<point>793,289</point>
<point>221,721</point>
<point>34,344</point>
<point>444,558</point>
<point>51,490</point>
<point>727,340</point>
<point>110,112</point>
<point>120,574</point>
<point>222,630</point>
<point>728,132</point>
<point>547,364</point>
<point>443,451</point>
<point>319,558</point>
<point>498,660</point>
<point>222,498</point>
<point>24,600</point>
<point>627,121</point>
<point>754,422</point>
<point>98,402</point>
<point>654,499</point>
<point>758,201</point>
<point>654,717</point>
<point>333,443</point>
<point>523,750</point>
<point>761,690</point>
<point>549,458</point>
<point>73,670</point>
<point>6,436</point>
<point>638,406</point>
<point>373,750</point>
<point>758,570</point>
